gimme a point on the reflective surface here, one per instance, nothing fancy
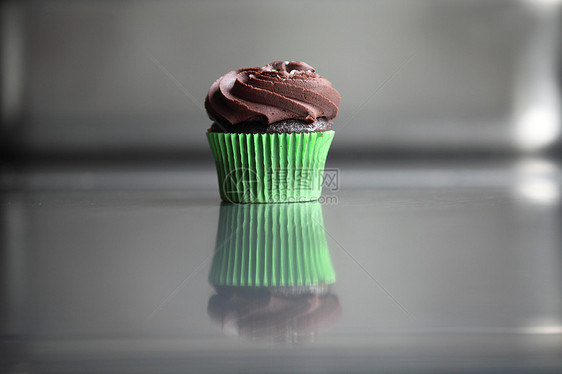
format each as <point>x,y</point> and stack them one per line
<point>449,267</point>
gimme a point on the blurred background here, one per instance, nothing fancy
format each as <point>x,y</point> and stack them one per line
<point>129,78</point>
<point>443,229</point>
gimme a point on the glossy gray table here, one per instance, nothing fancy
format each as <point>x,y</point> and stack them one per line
<point>441,267</point>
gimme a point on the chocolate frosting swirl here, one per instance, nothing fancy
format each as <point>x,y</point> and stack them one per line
<point>278,91</point>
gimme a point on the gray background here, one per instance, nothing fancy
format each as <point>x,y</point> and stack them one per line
<point>131,76</point>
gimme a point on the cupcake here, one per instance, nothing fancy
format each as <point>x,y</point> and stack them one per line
<point>271,132</point>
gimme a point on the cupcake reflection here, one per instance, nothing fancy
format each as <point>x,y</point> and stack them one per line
<point>272,272</point>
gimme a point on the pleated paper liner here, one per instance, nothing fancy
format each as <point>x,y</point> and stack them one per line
<point>270,168</point>
<point>279,246</point>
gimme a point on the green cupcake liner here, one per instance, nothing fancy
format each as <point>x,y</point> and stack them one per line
<point>271,245</point>
<point>270,168</point>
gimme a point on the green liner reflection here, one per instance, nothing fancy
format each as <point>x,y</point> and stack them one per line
<point>272,245</point>
<point>272,272</point>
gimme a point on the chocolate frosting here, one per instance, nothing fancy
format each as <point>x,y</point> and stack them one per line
<point>278,91</point>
